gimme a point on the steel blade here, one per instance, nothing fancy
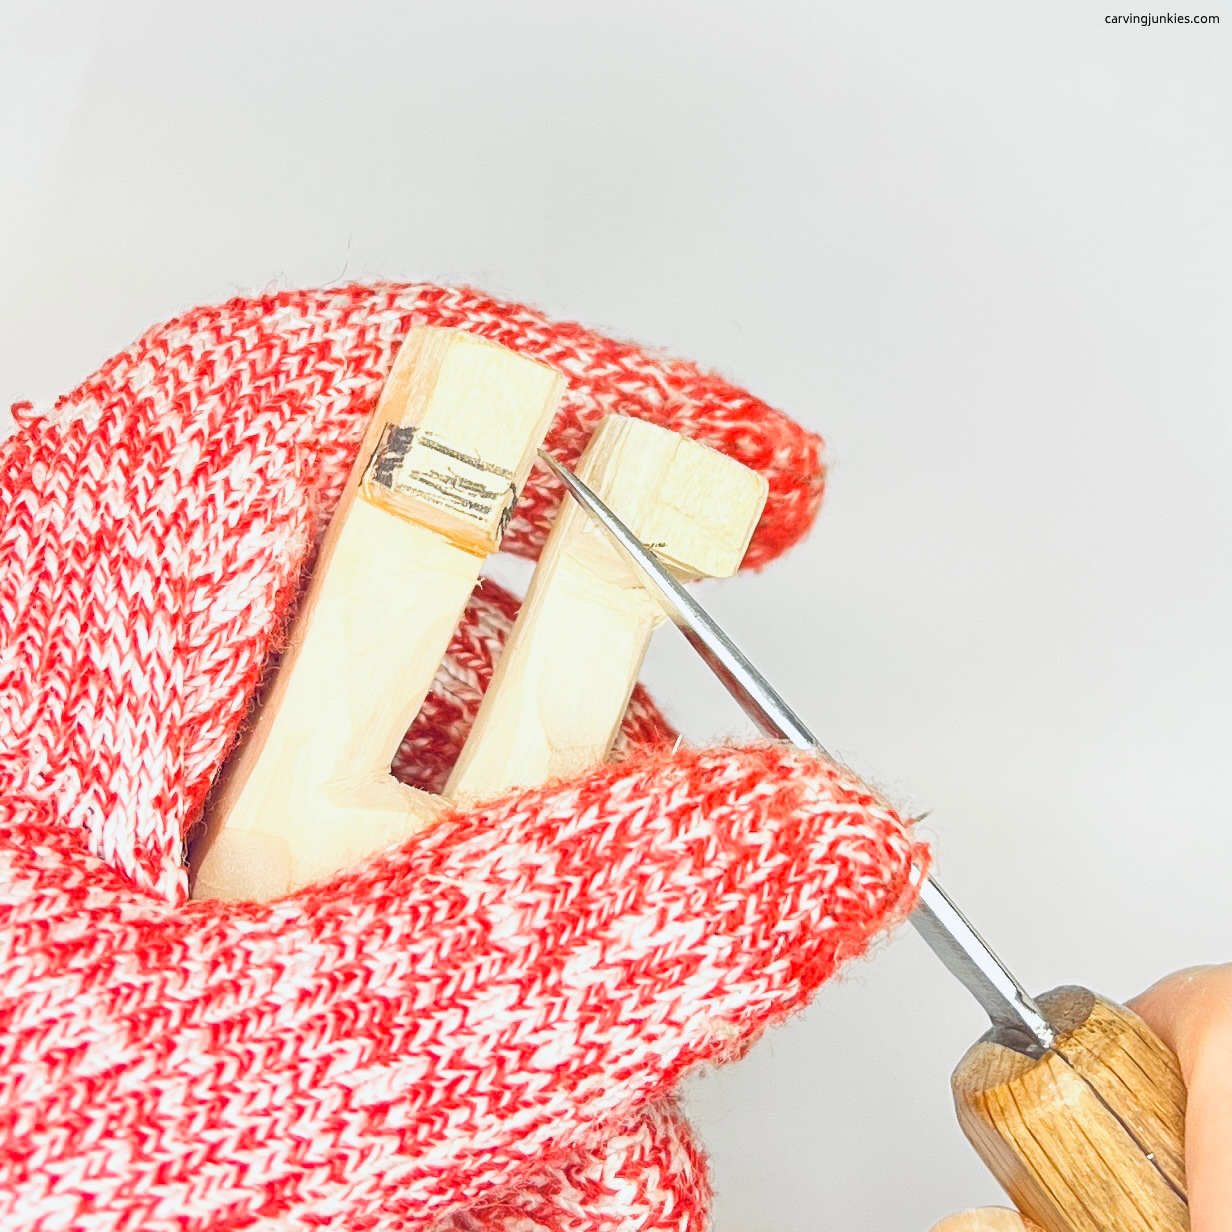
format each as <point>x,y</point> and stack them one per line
<point>937,919</point>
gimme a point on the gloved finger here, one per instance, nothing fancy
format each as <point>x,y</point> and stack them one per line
<point>153,530</point>
<point>301,371</point>
<point>431,746</point>
<point>647,1175</point>
<point>438,1024</point>
<point>986,1219</point>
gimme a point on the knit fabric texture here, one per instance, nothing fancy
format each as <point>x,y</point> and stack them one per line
<point>480,1028</point>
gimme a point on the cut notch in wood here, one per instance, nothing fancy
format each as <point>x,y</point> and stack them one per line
<point>564,680</point>
<point>310,791</point>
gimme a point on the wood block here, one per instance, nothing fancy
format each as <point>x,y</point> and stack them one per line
<point>563,683</point>
<point>310,791</point>
<point>1090,1137</point>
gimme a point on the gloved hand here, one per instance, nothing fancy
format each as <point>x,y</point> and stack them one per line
<point>479,1028</point>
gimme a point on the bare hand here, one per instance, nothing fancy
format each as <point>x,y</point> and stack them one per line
<point>1191,1012</point>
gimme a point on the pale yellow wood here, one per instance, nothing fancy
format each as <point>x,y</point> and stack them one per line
<point>564,680</point>
<point>986,1219</point>
<point>1071,1135</point>
<point>310,791</point>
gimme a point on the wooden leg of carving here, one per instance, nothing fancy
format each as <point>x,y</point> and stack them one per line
<point>310,791</point>
<point>564,680</point>
<point>1089,1138</point>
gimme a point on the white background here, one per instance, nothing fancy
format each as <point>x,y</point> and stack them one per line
<point>982,247</point>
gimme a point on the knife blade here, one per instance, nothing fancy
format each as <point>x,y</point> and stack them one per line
<point>936,917</point>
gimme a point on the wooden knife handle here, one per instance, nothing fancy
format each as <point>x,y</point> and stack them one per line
<point>1089,1137</point>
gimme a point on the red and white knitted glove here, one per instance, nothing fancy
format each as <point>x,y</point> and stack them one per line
<point>473,1029</point>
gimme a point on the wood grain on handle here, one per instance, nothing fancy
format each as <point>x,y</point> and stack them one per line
<point>1089,1138</point>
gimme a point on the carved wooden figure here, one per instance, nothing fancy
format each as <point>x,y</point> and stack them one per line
<point>563,682</point>
<point>310,792</point>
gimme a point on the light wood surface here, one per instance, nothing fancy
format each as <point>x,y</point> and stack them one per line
<point>574,654</point>
<point>310,791</point>
<point>986,1219</point>
<point>1089,1138</point>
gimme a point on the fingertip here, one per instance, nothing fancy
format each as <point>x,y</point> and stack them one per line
<point>986,1219</point>
<point>1171,1005</point>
